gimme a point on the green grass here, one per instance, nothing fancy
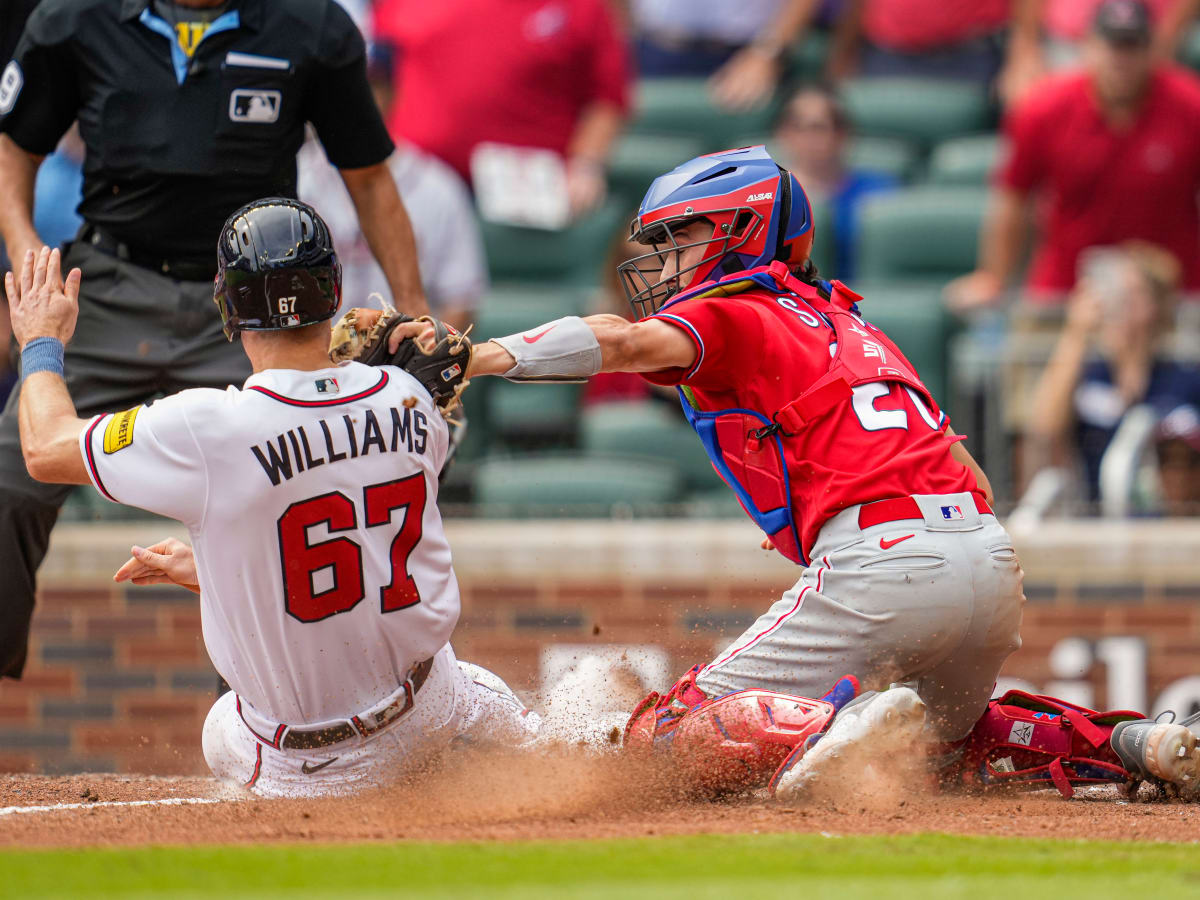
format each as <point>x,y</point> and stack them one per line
<point>729,867</point>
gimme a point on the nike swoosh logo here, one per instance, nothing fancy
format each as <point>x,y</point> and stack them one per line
<point>888,545</point>
<point>308,770</point>
<point>537,337</point>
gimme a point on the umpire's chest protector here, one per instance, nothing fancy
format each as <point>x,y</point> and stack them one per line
<point>746,445</point>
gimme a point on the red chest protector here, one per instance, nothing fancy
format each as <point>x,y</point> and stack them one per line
<point>746,445</point>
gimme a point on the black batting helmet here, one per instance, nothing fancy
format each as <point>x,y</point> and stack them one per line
<point>276,268</point>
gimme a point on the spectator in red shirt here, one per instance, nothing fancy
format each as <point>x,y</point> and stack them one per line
<point>549,74</point>
<point>1049,34</point>
<point>1112,155</point>
<point>959,39</point>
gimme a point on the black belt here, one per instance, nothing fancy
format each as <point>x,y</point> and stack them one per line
<point>180,269</point>
<point>300,739</point>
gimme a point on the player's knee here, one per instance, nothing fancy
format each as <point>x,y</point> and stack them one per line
<point>216,740</point>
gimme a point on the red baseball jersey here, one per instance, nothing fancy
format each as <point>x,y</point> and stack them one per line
<point>760,351</point>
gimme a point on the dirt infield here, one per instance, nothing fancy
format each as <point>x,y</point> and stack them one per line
<point>565,796</point>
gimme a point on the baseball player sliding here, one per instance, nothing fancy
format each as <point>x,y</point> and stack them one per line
<point>310,495</point>
<point>839,453</point>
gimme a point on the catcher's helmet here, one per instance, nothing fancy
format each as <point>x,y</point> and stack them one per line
<point>759,211</point>
<point>276,268</point>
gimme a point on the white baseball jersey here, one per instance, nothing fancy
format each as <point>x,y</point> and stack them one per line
<point>311,498</point>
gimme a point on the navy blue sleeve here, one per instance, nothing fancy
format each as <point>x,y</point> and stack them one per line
<point>340,103</point>
<point>39,97</point>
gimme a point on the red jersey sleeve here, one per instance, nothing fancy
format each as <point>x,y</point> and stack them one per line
<point>609,66</point>
<point>1022,167</point>
<point>727,334</point>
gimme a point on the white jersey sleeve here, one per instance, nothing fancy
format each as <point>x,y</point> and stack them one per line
<point>149,457</point>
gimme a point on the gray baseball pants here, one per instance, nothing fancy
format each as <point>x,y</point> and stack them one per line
<point>140,335</point>
<point>932,602</point>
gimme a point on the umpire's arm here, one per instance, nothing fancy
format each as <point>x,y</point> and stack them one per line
<point>342,109</point>
<point>389,233</point>
<point>18,171</point>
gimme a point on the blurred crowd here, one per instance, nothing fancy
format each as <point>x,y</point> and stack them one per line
<point>1012,184</point>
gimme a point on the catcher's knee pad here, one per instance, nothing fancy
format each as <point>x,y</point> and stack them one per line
<point>730,743</point>
<point>1033,740</point>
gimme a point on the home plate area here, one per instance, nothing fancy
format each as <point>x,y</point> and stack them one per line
<point>560,796</point>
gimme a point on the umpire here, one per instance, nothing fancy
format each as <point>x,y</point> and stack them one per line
<point>189,109</point>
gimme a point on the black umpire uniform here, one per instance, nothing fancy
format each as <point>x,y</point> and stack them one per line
<point>174,144</point>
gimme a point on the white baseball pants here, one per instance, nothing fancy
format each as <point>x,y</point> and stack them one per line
<point>934,602</point>
<point>457,700</point>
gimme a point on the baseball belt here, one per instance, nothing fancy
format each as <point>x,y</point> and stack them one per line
<point>180,269</point>
<point>301,739</point>
<point>902,508</point>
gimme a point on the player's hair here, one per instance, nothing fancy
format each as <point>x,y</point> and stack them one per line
<point>807,272</point>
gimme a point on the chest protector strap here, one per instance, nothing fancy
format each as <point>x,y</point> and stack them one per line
<point>864,354</point>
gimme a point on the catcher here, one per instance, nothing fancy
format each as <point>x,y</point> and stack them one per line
<point>838,452</point>
<point>326,591</point>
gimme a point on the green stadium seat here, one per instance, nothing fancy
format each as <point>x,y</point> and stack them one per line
<point>532,414</point>
<point>509,308</point>
<point>572,255</point>
<point>808,57</point>
<point>897,157</point>
<point>681,106</point>
<point>84,504</point>
<point>913,315</point>
<point>718,503</point>
<point>640,158</point>
<point>499,412</point>
<point>890,156</point>
<point>920,233</point>
<point>549,485</point>
<point>1189,48</point>
<point>824,251</point>
<point>649,430</point>
<point>965,160</point>
<point>922,110</point>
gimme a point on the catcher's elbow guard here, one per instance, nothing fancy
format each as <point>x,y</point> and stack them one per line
<point>565,347</point>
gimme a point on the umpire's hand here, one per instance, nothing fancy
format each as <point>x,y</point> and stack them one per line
<point>40,304</point>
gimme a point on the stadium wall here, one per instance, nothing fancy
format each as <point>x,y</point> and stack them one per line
<point>118,679</point>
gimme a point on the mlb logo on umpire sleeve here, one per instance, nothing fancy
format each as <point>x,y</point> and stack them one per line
<point>952,512</point>
<point>254,107</point>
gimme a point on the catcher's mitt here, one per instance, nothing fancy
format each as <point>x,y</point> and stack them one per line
<point>442,369</point>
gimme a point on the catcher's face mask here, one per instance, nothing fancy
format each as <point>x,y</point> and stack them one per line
<point>686,250</point>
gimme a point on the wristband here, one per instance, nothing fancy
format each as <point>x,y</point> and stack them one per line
<point>44,354</point>
<point>564,347</point>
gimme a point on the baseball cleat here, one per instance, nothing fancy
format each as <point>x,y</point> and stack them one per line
<point>1166,750</point>
<point>869,731</point>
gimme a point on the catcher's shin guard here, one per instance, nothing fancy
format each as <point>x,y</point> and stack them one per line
<point>1033,741</point>
<point>727,744</point>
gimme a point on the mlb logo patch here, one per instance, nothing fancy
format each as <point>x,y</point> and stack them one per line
<point>451,372</point>
<point>327,386</point>
<point>952,512</point>
<point>254,107</point>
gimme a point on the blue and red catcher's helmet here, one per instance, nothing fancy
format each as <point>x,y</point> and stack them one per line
<point>759,212</point>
